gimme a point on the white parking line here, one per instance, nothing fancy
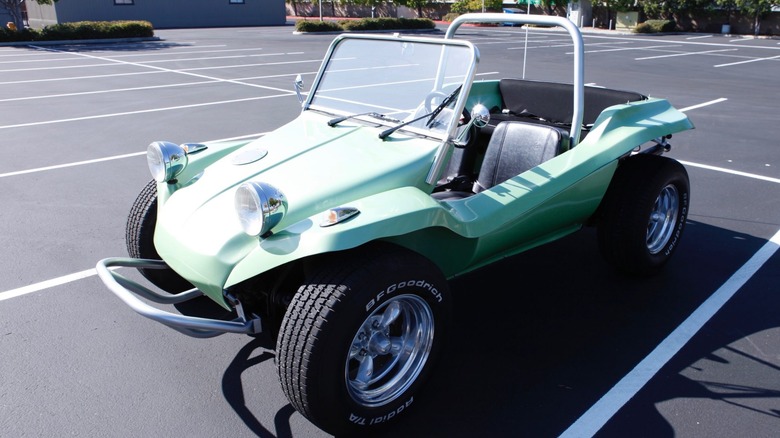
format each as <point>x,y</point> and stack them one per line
<point>622,49</point>
<point>677,42</point>
<point>153,110</point>
<point>76,78</point>
<point>115,90</point>
<point>732,172</point>
<point>603,410</point>
<point>115,157</point>
<point>77,163</point>
<point>234,66</point>
<point>745,62</point>
<point>712,102</point>
<point>136,64</point>
<point>145,54</point>
<point>54,282</point>
<point>685,54</point>
<point>182,84</point>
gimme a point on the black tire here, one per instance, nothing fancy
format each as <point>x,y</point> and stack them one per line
<point>351,317</point>
<point>139,238</point>
<point>644,212</point>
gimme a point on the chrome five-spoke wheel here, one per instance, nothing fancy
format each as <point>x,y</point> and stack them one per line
<point>389,350</point>
<point>663,219</point>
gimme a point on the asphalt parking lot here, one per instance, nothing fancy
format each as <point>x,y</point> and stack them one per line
<point>547,343</point>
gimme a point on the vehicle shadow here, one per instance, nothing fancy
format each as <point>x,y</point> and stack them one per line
<point>539,337</point>
<point>114,46</point>
<point>729,372</point>
<point>233,391</point>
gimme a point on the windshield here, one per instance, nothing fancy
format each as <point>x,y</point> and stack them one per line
<point>388,81</point>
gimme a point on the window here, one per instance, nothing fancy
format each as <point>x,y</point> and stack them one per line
<point>124,2</point>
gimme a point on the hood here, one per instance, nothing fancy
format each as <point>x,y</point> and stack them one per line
<point>316,167</point>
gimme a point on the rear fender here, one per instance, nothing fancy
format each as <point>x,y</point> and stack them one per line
<point>621,128</point>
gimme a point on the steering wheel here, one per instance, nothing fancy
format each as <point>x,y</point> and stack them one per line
<point>429,100</point>
<point>428,105</point>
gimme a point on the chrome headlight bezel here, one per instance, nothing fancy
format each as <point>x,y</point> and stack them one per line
<point>260,207</point>
<point>166,160</point>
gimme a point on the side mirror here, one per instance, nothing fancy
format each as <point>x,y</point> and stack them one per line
<point>298,84</point>
<point>480,115</point>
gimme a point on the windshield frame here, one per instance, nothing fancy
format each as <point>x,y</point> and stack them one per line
<point>445,135</point>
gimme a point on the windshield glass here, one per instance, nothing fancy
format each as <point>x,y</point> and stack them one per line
<point>399,80</point>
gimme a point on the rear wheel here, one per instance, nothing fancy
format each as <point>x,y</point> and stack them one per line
<point>139,238</point>
<point>644,213</point>
<point>361,336</point>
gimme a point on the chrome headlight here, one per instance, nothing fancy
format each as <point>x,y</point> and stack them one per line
<point>166,160</point>
<point>260,207</point>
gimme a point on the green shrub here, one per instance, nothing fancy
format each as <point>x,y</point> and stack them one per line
<point>459,7</point>
<point>365,24</point>
<point>130,29</point>
<point>655,26</point>
<point>81,30</point>
<point>318,26</point>
<point>8,35</point>
<point>385,23</point>
<point>449,18</point>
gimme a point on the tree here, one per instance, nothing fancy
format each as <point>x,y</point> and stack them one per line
<point>668,9</point>
<point>14,7</point>
<point>757,9</point>
<point>372,3</point>
<point>294,4</point>
<point>464,6</point>
<point>414,4</point>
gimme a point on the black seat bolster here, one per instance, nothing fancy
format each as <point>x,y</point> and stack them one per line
<point>516,147</point>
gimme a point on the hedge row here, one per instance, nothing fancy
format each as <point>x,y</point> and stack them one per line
<point>81,30</point>
<point>365,24</point>
<point>655,26</point>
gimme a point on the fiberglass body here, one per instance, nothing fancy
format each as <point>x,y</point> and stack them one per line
<point>388,180</point>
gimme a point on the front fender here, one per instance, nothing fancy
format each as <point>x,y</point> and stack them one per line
<point>391,213</point>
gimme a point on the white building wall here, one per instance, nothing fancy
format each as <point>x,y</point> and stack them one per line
<point>168,13</point>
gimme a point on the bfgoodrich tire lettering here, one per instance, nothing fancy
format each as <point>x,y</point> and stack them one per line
<point>360,337</point>
<point>644,213</point>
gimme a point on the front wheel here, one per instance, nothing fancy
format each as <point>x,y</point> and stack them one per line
<point>644,213</point>
<point>139,238</point>
<point>361,336</point>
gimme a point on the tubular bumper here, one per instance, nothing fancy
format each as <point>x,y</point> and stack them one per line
<point>128,291</point>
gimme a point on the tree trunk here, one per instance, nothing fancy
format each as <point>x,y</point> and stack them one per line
<point>756,25</point>
<point>15,9</point>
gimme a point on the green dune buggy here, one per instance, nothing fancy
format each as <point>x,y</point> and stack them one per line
<point>336,234</point>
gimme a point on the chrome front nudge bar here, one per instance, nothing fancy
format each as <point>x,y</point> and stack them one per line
<point>128,291</point>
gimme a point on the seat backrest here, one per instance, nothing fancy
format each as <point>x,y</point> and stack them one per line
<point>516,147</point>
<point>553,101</point>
